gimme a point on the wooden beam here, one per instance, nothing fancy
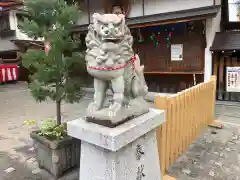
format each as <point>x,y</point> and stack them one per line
<point>10,3</point>
<point>165,22</point>
<point>166,177</point>
<point>216,124</point>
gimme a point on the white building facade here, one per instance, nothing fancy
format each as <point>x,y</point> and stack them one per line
<point>147,13</point>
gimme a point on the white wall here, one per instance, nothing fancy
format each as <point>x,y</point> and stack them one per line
<point>14,26</point>
<point>150,7</point>
<point>212,26</point>
<point>95,6</point>
<point>164,6</point>
<point>136,8</point>
<point>218,2</point>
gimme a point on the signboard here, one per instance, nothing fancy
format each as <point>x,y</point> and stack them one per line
<point>177,52</point>
<point>233,79</point>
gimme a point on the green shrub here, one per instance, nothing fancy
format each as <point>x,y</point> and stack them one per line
<point>49,129</point>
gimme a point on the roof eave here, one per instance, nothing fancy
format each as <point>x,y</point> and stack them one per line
<point>200,13</point>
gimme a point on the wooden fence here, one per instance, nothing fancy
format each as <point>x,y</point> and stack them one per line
<point>187,114</point>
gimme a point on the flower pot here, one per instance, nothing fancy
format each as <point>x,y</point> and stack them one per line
<point>57,157</point>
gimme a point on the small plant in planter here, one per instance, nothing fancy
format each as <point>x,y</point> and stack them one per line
<point>52,78</point>
<point>56,152</point>
<point>49,129</point>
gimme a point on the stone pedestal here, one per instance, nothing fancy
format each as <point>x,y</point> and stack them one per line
<point>126,152</point>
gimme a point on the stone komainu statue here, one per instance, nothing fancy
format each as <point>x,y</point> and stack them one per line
<point>111,61</point>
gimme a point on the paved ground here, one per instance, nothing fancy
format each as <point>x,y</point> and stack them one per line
<point>214,156</point>
<point>16,152</point>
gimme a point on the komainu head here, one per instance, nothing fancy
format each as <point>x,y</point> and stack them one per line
<point>109,27</point>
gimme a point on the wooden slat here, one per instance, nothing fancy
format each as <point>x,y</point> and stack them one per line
<point>214,86</point>
<point>216,124</point>
<point>193,123</point>
<point>166,177</point>
<point>181,125</point>
<point>162,103</point>
<point>187,114</point>
<point>186,123</point>
<point>190,120</point>
<point>172,129</point>
<point>178,134</point>
<point>210,97</point>
<point>195,112</point>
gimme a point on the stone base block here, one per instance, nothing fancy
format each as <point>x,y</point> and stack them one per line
<point>126,152</point>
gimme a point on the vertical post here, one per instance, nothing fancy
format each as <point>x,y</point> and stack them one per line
<point>213,84</point>
<point>188,115</point>
<point>174,132</point>
<point>171,132</point>
<point>161,102</point>
<point>211,121</point>
<point>181,120</point>
<point>178,125</point>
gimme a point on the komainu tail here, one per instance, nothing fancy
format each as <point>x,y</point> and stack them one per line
<point>139,85</point>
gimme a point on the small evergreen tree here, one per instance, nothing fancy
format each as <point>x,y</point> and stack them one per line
<point>53,21</point>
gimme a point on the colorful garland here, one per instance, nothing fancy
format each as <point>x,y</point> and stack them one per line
<point>168,39</point>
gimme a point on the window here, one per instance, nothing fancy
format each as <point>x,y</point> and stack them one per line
<point>234,10</point>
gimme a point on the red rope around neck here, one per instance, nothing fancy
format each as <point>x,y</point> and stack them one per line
<point>133,59</point>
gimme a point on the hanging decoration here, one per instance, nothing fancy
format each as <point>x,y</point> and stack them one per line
<point>168,39</point>
<point>140,38</point>
<point>153,37</point>
<point>190,26</point>
<point>156,38</point>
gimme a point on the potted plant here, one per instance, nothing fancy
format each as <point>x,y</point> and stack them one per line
<point>52,21</point>
<point>56,152</point>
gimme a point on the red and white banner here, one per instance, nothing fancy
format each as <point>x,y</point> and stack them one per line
<point>47,46</point>
<point>8,73</point>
